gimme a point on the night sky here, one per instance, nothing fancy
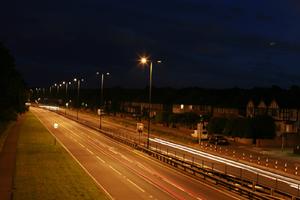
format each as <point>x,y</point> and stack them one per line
<point>204,43</point>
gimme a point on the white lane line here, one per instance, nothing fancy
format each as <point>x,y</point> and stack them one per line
<point>70,153</point>
<point>115,170</point>
<point>124,157</point>
<point>81,145</point>
<point>90,151</point>
<point>138,187</point>
<point>100,159</point>
<point>173,184</point>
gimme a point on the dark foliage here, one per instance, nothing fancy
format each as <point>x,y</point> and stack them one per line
<point>216,125</point>
<point>259,127</point>
<point>13,95</point>
<point>263,126</point>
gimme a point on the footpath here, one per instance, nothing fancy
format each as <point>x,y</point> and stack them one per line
<point>8,161</point>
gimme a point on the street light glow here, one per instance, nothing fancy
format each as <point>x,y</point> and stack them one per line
<point>143,60</point>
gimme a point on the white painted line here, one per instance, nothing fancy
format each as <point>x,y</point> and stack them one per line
<point>90,151</point>
<point>100,159</point>
<point>138,187</point>
<point>115,170</point>
<point>173,184</point>
<point>81,144</point>
<point>106,192</point>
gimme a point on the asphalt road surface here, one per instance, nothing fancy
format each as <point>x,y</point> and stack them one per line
<point>119,170</point>
<point>217,160</point>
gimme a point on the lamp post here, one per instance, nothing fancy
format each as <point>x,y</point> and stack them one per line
<point>101,96</point>
<point>66,83</point>
<point>78,88</point>
<point>144,60</point>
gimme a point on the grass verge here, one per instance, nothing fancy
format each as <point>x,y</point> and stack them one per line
<point>46,171</point>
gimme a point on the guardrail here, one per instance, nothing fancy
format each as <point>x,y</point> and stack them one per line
<point>243,187</point>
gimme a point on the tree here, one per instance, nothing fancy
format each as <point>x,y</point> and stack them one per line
<point>163,117</point>
<point>189,119</point>
<point>216,125</point>
<point>263,127</point>
<point>12,86</point>
<point>238,127</point>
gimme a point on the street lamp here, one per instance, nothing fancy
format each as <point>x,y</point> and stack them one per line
<point>66,83</point>
<point>144,60</point>
<point>78,88</point>
<point>101,97</point>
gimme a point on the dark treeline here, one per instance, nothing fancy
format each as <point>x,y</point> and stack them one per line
<point>13,93</point>
<point>231,98</point>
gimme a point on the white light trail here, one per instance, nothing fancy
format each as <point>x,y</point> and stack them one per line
<point>292,182</point>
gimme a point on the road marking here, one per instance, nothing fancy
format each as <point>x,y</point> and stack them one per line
<point>90,151</point>
<point>100,159</point>
<point>126,158</point>
<point>173,184</point>
<point>182,174</point>
<point>138,187</point>
<point>60,142</point>
<point>134,183</point>
<point>81,144</point>
<point>115,170</point>
<point>112,149</point>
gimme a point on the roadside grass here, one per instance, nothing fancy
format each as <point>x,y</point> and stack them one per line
<point>4,130</point>
<point>44,170</point>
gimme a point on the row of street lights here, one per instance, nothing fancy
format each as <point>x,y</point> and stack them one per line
<point>79,81</point>
<point>143,61</point>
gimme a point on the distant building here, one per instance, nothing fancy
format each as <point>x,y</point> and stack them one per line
<point>206,110</point>
<point>141,108</point>
<point>286,115</point>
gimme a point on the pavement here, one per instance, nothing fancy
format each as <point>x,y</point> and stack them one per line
<point>8,161</point>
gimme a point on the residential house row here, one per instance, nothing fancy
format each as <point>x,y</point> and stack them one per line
<point>286,117</point>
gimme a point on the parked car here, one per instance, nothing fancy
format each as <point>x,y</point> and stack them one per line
<point>218,140</point>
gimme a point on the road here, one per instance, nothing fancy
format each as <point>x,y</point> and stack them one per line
<point>120,170</point>
<point>218,159</point>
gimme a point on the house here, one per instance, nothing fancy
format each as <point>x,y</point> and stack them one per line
<point>206,110</point>
<point>224,112</point>
<point>141,108</point>
<point>286,114</point>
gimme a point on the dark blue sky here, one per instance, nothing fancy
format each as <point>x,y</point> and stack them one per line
<point>202,43</point>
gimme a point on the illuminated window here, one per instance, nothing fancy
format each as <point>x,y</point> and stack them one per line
<point>181,106</point>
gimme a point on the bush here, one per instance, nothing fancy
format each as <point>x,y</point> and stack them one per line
<point>8,114</point>
<point>216,125</point>
<point>263,127</point>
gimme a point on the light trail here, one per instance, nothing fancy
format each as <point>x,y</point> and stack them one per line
<point>291,182</point>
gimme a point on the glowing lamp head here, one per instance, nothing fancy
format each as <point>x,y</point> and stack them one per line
<point>143,60</point>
